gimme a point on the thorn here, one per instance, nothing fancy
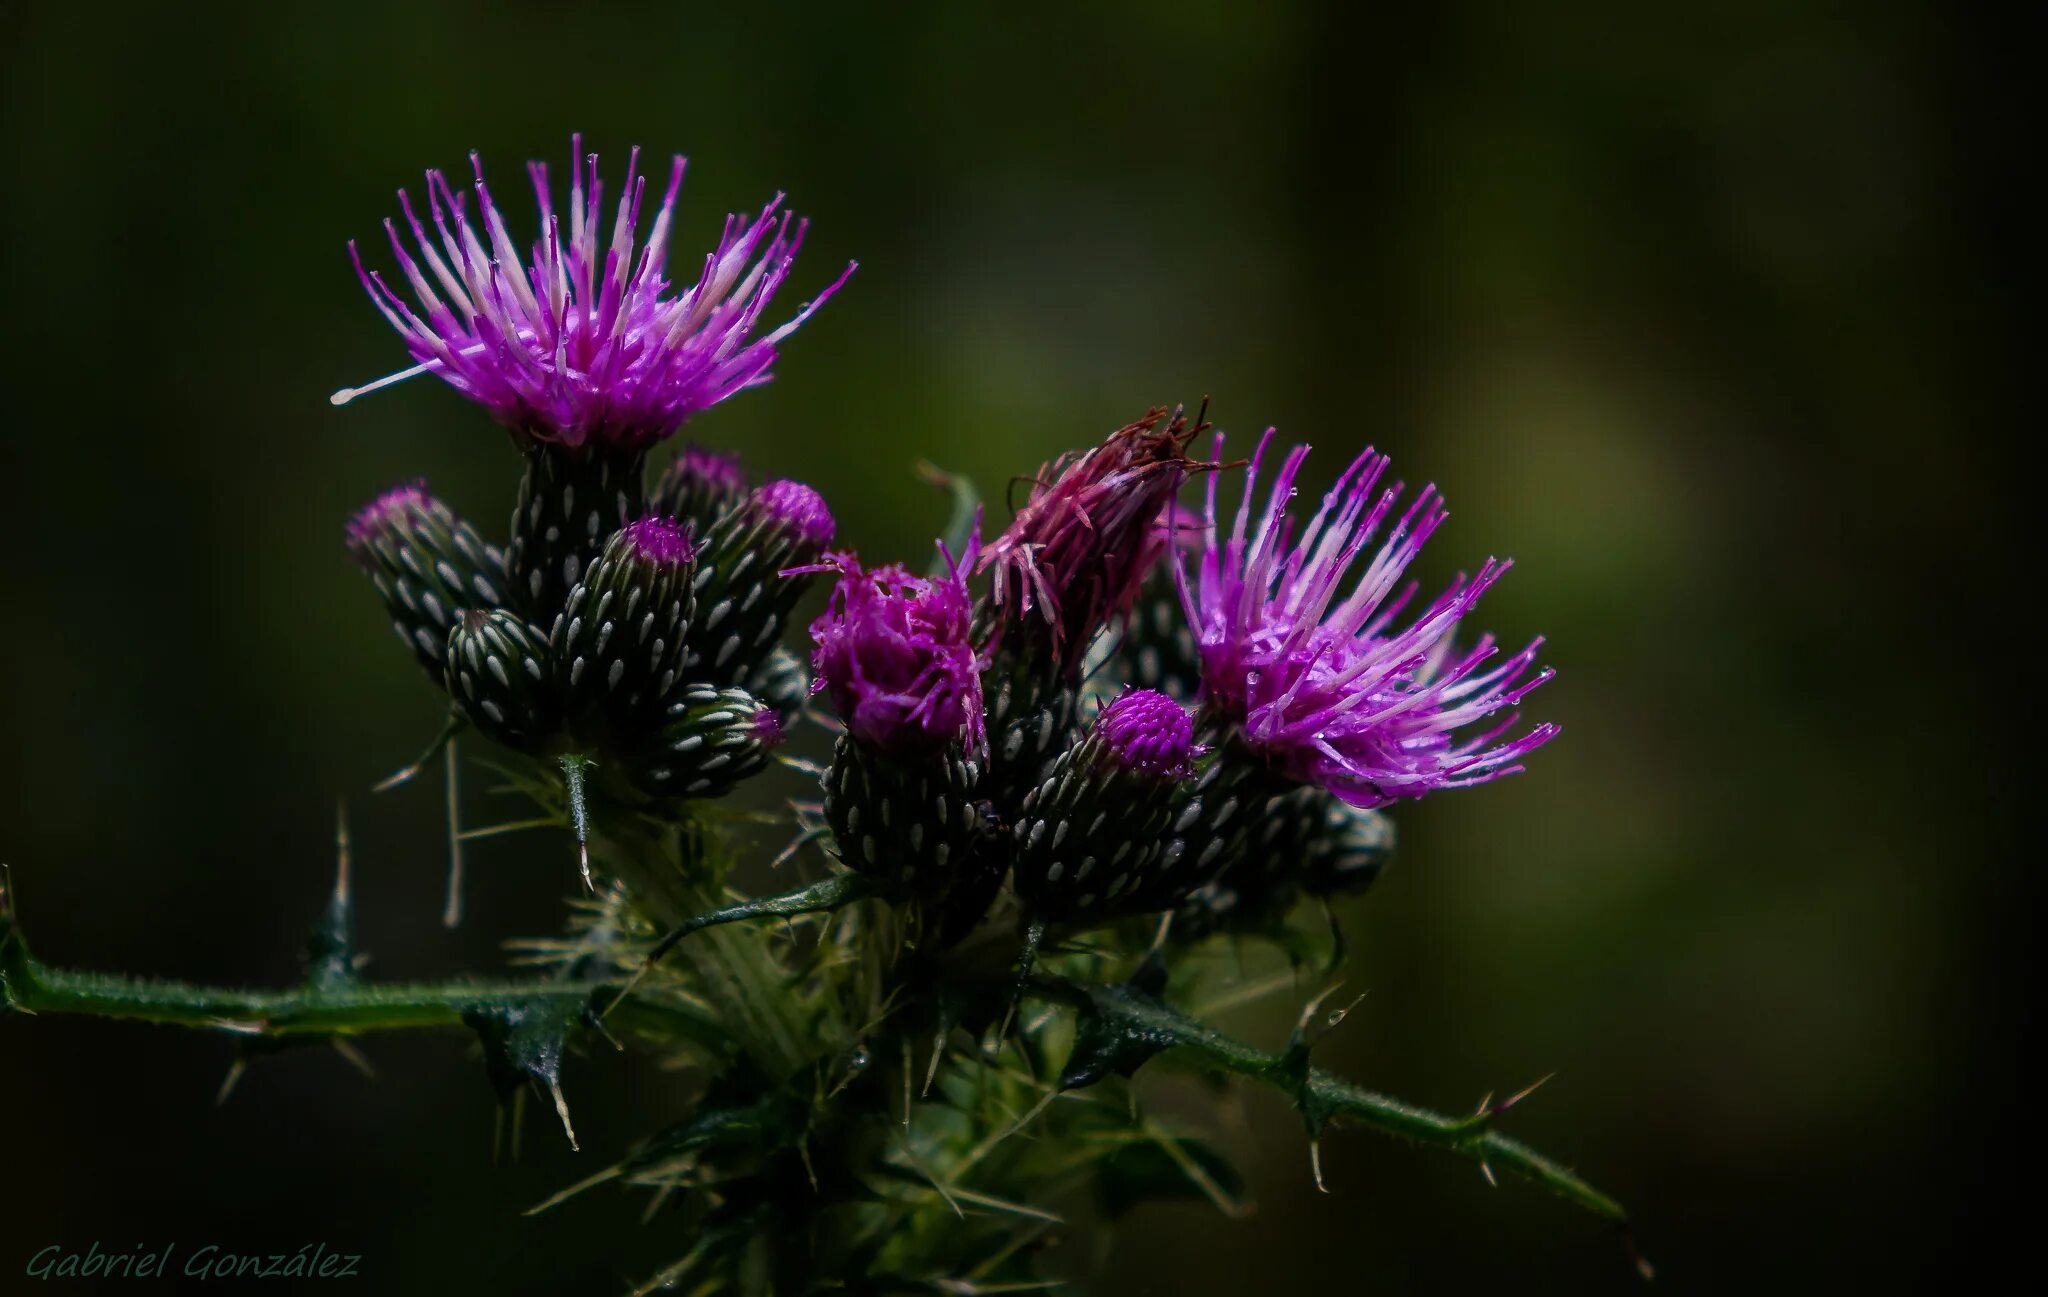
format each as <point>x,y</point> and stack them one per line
<point>1336,1018</point>
<point>451,913</point>
<point>343,856</point>
<point>228,1082</point>
<point>1642,1263</point>
<point>449,729</point>
<point>1315,1164</point>
<point>574,766</point>
<point>1515,1098</point>
<point>1486,1169</point>
<point>931,1072</point>
<point>1159,937</point>
<point>909,1059</point>
<point>1308,1011</point>
<point>562,1111</point>
<point>355,1058</point>
<point>646,967</point>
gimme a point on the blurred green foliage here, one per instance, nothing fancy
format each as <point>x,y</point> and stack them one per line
<point>1694,313</point>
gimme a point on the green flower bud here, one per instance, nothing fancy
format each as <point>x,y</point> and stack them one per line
<point>571,500</point>
<point>908,824</point>
<point>709,741</point>
<point>428,566</point>
<point>1092,833</point>
<point>497,673</point>
<point>743,596</point>
<point>618,643</point>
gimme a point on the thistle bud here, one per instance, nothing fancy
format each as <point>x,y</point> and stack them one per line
<point>894,656</point>
<point>1215,816</point>
<point>571,500</point>
<point>699,486</point>
<point>710,740</point>
<point>911,824</point>
<point>1089,834</point>
<point>783,682</point>
<point>497,673</point>
<point>1304,841</point>
<point>428,566</point>
<point>1349,852</point>
<point>1073,558</point>
<point>744,591</point>
<point>1031,720</point>
<point>1158,650</point>
<point>618,643</point>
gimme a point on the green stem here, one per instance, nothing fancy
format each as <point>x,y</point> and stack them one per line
<point>733,969</point>
<point>29,986</point>
<point>1472,1136</point>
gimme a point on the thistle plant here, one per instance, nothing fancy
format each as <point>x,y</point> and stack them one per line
<point>1073,770</point>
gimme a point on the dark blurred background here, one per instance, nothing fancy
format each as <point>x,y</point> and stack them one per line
<point>1696,314</point>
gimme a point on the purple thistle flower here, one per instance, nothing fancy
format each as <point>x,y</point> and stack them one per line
<point>1145,730</point>
<point>1327,687</point>
<point>894,651</point>
<point>1082,545</point>
<point>579,344</point>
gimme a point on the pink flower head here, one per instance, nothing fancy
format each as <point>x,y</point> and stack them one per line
<point>1078,550</point>
<point>895,654</point>
<point>577,342</point>
<point>1319,677</point>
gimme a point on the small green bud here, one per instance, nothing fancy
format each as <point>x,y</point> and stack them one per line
<point>709,741</point>
<point>428,565</point>
<point>497,673</point>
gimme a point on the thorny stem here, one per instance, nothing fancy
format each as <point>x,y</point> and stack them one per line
<point>30,986</point>
<point>1472,1136</point>
<point>733,971</point>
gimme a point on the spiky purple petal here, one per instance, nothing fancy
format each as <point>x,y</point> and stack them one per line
<point>1078,550</point>
<point>894,652</point>
<point>1315,670</point>
<point>577,343</point>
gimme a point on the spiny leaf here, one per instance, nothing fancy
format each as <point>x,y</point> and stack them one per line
<point>1110,1042</point>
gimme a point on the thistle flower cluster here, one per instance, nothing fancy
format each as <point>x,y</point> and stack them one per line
<point>621,627</point>
<point>1286,652</point>
<point>1118,708</point>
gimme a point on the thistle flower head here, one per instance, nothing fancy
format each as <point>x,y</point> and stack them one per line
<point>1300,645</point>
<point>584,341</point>
<point>895,654</point>
<point>792,507</point>
<point>1145,730</point>
<point>1078,550</point>
<point>663,542</point>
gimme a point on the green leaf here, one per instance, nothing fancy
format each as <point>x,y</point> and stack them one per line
<point>961,521</point>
